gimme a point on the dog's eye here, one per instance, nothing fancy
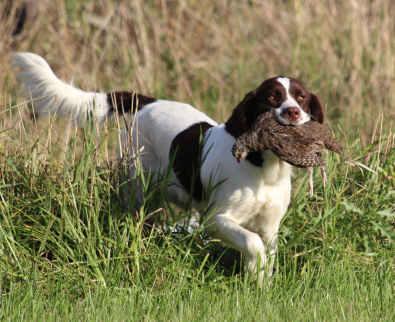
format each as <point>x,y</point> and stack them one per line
<point>300,99</point>
<point>273,97</point>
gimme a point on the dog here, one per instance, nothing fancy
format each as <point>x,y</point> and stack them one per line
<point>250,198</point>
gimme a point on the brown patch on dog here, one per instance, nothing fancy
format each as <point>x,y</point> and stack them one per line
<point>186,153</point>
<point>270,94</point>
<point>126,102</point>
<point>315,109</point>
<point>255,158</point>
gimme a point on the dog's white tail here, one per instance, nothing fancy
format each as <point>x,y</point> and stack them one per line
<point>50,95</point>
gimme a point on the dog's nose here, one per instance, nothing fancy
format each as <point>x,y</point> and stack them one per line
<point>291,113</point>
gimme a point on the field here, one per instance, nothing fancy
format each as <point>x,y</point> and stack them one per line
<point>72,249</point>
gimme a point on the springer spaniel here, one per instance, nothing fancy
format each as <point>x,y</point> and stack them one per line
<point>250,198</point>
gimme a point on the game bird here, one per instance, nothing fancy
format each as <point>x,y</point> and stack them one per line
<point>300,146</point>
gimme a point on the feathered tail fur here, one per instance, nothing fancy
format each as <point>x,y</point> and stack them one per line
<point>50,95</point>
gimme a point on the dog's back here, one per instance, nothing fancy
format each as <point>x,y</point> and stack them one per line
<point>156,123</point>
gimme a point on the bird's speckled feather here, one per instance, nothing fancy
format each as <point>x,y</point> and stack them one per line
<point>300,146</point>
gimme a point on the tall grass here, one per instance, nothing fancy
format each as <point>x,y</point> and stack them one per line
<point>71,242</point>
<point>211,53</point>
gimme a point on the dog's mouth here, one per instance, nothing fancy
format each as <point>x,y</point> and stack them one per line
<point>284,121</point>
<point>292,117</point>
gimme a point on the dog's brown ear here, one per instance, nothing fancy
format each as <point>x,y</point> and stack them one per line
<point>316,109</point>
<point>239,121</point>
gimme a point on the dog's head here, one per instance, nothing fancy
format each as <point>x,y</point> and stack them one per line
<point>290,101</point>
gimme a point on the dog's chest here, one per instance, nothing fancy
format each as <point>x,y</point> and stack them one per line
<point>243,190</point>
<point>254,201</point>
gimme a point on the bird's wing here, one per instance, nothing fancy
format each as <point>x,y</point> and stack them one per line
<point>299,154</point>
<point>333,145</point>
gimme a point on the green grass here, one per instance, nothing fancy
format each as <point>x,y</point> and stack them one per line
<point>70,248</point>
<point>334,290</point>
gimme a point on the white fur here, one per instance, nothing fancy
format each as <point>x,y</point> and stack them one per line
<point>249,203</point>
<point>50,95</point>
<point>289,102</point>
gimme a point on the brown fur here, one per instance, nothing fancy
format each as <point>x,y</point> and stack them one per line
<point>125,102</point>
<point>185,151</point>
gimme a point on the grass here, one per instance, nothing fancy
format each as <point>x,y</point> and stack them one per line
<point>71,249</point>
<point>335,292</point>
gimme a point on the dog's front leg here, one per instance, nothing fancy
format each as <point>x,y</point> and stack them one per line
<point>268,231</point>
<point>243,240</point>
<point>271,253</point>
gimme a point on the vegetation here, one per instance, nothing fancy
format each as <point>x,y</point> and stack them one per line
<point>71,247</point>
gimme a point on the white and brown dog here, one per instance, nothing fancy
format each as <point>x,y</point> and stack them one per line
<point>252,196</point>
